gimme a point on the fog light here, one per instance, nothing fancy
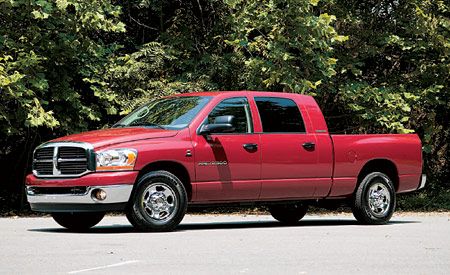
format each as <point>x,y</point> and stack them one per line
<point>98,194</point>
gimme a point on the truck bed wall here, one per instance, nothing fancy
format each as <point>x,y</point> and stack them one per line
<point>352,152</point>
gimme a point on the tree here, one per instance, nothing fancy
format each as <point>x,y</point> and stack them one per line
<point>49,51</point>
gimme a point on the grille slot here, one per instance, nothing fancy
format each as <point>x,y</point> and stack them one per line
<point>43,168</point>
<point>44,153</point>
<point>71,153</point>
<point>72,167</point>
<point>62,159</point>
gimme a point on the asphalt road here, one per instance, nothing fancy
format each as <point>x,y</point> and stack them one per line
<point>230,244</point>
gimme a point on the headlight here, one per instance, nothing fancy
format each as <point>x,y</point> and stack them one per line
<point>116,159</point>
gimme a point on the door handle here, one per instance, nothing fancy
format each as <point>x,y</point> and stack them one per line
<point>309,146</point>
<point>250,146</point>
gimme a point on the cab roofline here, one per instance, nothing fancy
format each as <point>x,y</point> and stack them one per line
<point>236,93</point>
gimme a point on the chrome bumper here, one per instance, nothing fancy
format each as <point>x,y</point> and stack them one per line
<point>114,194</point>
<point>423,180</point>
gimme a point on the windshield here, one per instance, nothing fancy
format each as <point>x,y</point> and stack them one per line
<point>166,113</point>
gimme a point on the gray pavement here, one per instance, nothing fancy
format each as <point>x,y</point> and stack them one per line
<point>230,244</point>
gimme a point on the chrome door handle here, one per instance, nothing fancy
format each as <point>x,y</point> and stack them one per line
<point>309,145</point>
<point>250,146</point>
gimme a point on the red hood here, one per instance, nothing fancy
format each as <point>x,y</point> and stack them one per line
<point>100,138</point>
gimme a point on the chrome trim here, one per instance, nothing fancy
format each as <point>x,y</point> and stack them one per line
<point>71,160</point>
<point>379,199</point>
<point>423,181</point>
<point>159,201</point>
<point>114,194</point>
<point>84,145</point>
<point>56,172</point>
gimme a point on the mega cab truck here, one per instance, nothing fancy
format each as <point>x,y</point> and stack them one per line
<point>216,148</point>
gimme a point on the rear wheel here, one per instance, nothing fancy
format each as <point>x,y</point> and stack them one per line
<point>158,203</point>
<point>78,221</point>
<point>289,213</point>
<point>374,200</point>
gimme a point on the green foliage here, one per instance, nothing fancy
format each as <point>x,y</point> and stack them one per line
<point>268,45</point>
<point>382,106</point>
<point>48,52</point>
<point>187,54</point>
<point>284,45</point>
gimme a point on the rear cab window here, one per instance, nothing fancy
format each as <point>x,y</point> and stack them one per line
<point>279,115</point>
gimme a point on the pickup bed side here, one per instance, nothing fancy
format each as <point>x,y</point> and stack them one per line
<point>399,156</point>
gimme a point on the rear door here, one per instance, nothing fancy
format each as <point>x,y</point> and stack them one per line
<point>228,164</point>
<point>289,153</point>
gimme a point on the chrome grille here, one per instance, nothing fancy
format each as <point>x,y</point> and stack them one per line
<point>62,159</point>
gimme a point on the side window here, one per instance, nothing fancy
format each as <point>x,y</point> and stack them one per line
<point>279,115</point>
<point>237,107</point>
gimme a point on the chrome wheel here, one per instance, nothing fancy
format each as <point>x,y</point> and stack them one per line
<point>159,201</point>
<point>379,199</point>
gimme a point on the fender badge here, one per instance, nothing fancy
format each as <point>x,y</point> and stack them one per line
<point>207,163</point>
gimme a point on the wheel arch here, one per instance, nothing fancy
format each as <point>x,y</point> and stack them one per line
<point>385,166</point>
<point>173,167</point>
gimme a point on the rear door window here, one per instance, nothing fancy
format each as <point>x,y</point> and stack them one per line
<point>279,115</point>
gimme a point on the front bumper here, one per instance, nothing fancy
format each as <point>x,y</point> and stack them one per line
<point>76,194</point>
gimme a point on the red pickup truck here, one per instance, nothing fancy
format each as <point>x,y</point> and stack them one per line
<point>206,148</point>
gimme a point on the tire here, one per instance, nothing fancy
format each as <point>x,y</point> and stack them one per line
<point>78,221</point>
<point>158,203</point>
<point>288,214</point>
<point>374,200</point>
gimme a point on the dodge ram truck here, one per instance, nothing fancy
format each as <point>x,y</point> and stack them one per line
<point>217,148</point>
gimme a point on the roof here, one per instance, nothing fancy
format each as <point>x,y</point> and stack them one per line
<point>216,93</point>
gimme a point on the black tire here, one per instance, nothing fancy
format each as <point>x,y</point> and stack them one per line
<point>158,203</point>
<point>78,221</point>
<point>289,213</point>
<point>374,200</point>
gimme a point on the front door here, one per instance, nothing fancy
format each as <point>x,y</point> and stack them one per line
<point>227,165</point>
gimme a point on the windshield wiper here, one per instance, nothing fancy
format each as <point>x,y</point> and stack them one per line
<point>118,125</point>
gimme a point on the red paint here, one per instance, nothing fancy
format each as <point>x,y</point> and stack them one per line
<point>279,169</point>
<point>94,179</point>
<point>105,137</point>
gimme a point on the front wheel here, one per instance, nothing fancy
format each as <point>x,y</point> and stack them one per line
<point>158,203</point>
<point>78,221</point>
<point>374,200</point>
<point>288,214</point>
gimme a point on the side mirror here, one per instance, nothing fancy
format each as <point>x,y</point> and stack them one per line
<point>222,124</point>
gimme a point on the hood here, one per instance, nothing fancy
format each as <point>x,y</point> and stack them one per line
<point>100,138</point>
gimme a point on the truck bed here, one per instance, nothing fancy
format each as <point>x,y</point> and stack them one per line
<point>353,152</point>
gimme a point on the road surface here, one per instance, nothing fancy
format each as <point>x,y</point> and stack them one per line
<point>230,244</point>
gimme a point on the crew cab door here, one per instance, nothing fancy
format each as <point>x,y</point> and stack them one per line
<point>227,165</point>
<point>292,163</point>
